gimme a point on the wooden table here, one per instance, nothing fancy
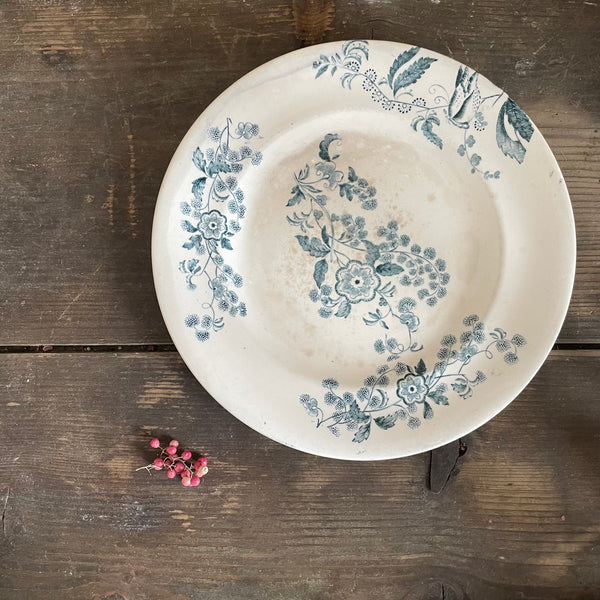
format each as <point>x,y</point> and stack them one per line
<point>94,99</point>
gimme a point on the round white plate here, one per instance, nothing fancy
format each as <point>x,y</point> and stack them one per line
<point>363,250</point>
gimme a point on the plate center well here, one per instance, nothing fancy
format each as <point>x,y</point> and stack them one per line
<point>359,236</point>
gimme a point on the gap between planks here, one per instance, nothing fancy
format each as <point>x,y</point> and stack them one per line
<point>126,348</point>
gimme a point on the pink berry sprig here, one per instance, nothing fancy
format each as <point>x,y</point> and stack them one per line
<point>169,460</point>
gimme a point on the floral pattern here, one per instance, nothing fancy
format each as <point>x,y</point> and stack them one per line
<point>353,267</point>
<point>211,229</point>
<point>357,282</point>
<point>212,225</point>
<point>403,89</point>
<point>411,389</point>
<point>383,402</point>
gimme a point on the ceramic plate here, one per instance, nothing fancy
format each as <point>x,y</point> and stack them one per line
<point>363,250</point>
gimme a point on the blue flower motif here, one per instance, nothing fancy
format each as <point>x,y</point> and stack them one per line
<point>411,321</point>
<point>327,171</point>
<point>247,130</point>
<point>218,288</point>
<point>212,225</point>
<point>412,389</point>
<point>357,282</point>
<point>467,352</point>
<point>310,404</point>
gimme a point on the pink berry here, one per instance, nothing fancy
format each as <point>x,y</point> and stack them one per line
<point>155,443</point>
<point>158,463</point>
<point>203,461</point>
<point>194,481</point>
<point>168,462</point>
<point>178,468</point>
<point>187,481</point>
<point>186,473</point>
<point>171,474</point>
<point>174,443</point>
<point>171,450</point>
<point>186,455</point>
<point>202,472</point>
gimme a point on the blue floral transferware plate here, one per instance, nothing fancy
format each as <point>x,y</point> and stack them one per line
<point>364,250</point>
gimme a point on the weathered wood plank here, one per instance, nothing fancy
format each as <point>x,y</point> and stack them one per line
<point>271,522</point>
<point>95,97</point>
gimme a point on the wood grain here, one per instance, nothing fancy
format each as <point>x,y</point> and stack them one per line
<point>271,522</point>
<point>96,95</point>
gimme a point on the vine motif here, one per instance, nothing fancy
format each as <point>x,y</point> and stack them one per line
<point>464,107</point>
<point>213,216</point>
<point>414,389</point>
<point>351,266</point>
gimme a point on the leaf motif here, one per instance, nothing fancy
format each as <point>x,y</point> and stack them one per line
<point>427,411</point>
<point>522,126</point>
<point>325,235</point>
<point>363,433</point>
<point>187,226</point>
<point>216,167</point>
<point>519,119</point>
<point>356,414</point>
<point>388,269</point>
<point>317,248</point>
<point>347,189</point>
<point>304,243</point>
<point>372,252</point>
<point>344,309</point>
<point>225,243</point>
<point>413,73</point>
<point>386,422</point>
<point>320,272</point>
<point>437,397</point>
<point>352,176</point>
<point>321,71</point>
<point>427,129</point>
<point>421,369</point>
<point>198,187</point>
<point>303,174</point>
<point>324,147</point>
<point>314,246</point>
<point>400,61</point>
<point>416,121</point>
<point>198,159</point>
<point>297,197</point>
